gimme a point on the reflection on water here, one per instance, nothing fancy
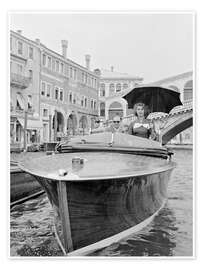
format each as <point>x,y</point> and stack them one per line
<point>169,234</point>
<point>157,239</point>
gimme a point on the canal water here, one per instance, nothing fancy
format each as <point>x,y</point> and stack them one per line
<point>169,234</point>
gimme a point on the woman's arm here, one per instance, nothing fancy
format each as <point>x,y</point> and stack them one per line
<point>153,134</point>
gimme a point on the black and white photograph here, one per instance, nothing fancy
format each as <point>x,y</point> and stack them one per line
<point>101,134</point>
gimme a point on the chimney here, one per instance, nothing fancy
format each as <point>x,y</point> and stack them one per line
<point>112,68</point>
<point>87,60</point>
<point>37,40</point>
<point>19,32</point>
<point>64,44</point>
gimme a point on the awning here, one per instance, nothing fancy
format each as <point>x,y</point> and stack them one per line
<point>20,101</point>
<point>30,101</point>
<point>31,124</point>
<point>12,101</point>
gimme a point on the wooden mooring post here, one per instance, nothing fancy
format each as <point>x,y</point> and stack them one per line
<point>65,218</point>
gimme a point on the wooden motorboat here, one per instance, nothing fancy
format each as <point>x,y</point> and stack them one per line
<point>23,186</point>
<point>102,187</point>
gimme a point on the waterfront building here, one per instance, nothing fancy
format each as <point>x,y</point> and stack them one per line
<point>112,86</point>
<point>54,95</point>
<point>24,90</point>
<point>68,94</point>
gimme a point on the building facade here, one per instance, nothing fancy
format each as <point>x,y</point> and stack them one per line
<point>68,94</point>
<point>24,89</point>
<point>52,94</point>
<point>112,85</point>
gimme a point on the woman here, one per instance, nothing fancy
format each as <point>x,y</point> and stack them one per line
<point>141,126</point>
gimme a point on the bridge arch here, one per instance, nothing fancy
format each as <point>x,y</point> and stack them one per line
<point>115,108</point>
<point>182,123</point>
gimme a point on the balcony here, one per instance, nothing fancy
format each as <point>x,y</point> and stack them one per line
<point>19,81</point>
<point>18,112</point>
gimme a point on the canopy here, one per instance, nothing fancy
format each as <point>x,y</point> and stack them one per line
<point>31,124</point>
<point>20,101</point>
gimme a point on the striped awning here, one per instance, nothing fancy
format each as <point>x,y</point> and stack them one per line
<point>20,101</point>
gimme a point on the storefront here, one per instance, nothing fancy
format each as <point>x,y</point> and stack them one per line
<point>17,131</point>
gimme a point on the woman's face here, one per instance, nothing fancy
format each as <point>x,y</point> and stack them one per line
<point>140,111</point>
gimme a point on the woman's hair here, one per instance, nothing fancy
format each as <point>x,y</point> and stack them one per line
<point>146,109</point>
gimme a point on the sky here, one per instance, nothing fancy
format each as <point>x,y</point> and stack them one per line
<point>150,45</point>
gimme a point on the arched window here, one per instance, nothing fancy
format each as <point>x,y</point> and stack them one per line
<point>95,104</point>
<point>111,87</point>
<point>115,109</point>
<point>82,101</point>
<point>102,109</point>
<point>61,94</point>
<point>118,87</point>
<point>85,102</point>
<point>56,93</point>
<point>102,90</point>
<point>70,97</point>
<point>91,104</point>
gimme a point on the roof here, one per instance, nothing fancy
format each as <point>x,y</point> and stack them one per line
<point>56,54</point>
<point>108,74</point>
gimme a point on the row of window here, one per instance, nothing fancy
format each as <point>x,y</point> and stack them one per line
<point>46,90</point>
<point>72,72</point>
<point>21,48</point>
<point>52,64</point>
<point>56,65</point>
<point>82,101</point>
<point>112,88</point>
<point>19,69</point>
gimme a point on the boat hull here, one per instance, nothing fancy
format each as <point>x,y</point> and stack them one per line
<point>89,212</point>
